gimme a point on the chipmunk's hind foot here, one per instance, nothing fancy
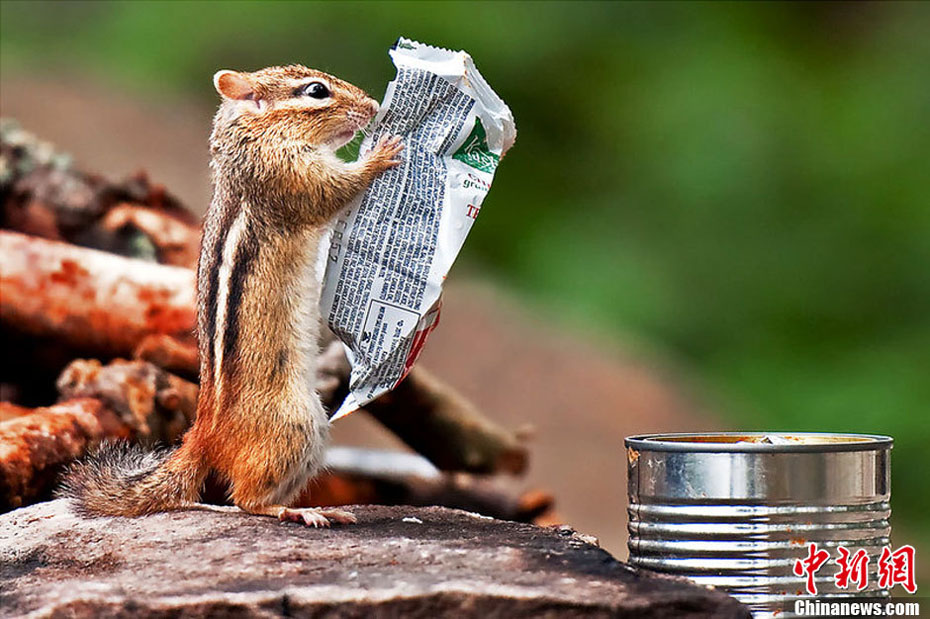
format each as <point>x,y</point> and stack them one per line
<point>315,517</point>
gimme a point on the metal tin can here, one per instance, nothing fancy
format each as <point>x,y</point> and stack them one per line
<point>737,510</point>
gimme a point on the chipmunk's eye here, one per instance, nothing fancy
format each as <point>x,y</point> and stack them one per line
<point>314,89</point>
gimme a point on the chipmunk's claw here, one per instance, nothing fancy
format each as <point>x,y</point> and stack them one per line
<point>388,150</point>
<point>316,517</point>
<point>339,516</point>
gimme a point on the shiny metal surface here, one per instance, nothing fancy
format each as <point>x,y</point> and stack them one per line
<point>735,511</point>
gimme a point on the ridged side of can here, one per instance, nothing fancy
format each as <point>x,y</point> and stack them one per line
<point>737,516</point>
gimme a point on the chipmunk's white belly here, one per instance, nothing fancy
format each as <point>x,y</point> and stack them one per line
<point>301,404</point>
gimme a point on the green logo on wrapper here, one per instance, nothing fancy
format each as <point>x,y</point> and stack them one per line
<point>475,151</point>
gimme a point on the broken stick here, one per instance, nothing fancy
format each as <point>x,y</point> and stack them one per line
<point>41,193</point>
<point>421,409</point>
<point>34,447</point>
<point>123,400</point>
<point>93,301</point>
<point>155,405</point>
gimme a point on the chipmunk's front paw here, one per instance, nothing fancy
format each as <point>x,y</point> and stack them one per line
<point>316,516</point>
<point>384,155</point>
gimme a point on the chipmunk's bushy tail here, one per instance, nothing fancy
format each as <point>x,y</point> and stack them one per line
<point>121,479</point>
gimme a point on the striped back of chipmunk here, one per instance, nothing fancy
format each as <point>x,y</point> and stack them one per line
<point>216,226</point>
<point>258,317</point>
<point>227,238</point>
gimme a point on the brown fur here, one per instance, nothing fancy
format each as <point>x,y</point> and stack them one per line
<point>277,184</point>
<point>120,478</point>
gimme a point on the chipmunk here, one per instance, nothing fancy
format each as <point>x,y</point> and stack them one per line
<point>277,185</point>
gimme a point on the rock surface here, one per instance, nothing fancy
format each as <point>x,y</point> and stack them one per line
<point>397,561</point>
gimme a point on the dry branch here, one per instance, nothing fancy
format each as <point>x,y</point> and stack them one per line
<point>176,241</point>
<point>93,301</point>
<point>34,447</point>
<point>43,195</point>
<point>156,405</point>
<point>178,356</point>
<point>423,408</point>
<point>124,400</point>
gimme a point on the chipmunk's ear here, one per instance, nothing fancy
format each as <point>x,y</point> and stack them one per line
<point>234,85</point>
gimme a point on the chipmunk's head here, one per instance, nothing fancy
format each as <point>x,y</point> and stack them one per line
<point>292,105</point>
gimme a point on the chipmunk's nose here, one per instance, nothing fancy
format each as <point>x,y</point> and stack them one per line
<point>373,107</point>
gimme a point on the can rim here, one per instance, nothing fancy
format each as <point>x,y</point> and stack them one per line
<point>677,441</point>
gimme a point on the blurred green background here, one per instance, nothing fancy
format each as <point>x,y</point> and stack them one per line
<point>740,188</point>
